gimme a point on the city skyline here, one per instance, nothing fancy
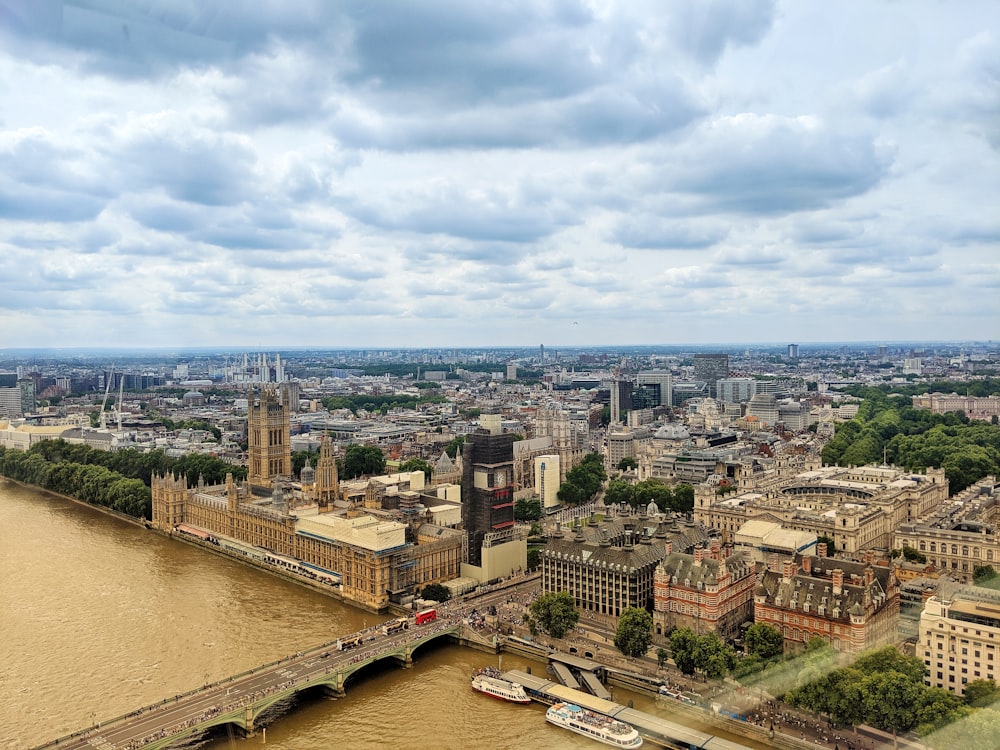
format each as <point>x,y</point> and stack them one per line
<point>339,176</point>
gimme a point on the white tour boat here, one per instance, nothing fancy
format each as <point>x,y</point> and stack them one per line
<point>596,726</point>
<point>490,682</point>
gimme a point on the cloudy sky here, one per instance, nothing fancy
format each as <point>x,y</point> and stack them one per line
<point>286,173</point>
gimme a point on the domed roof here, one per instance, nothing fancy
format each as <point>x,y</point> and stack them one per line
<point>672,432</point>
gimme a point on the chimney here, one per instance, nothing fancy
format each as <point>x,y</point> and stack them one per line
<point>715,547</point>
<point>821,549</point>
<point>869,556</point>
<point>869,576</point>
<point>807,565</point>
<point>699,554</point>
<point>669,547</point>
<point>788,569</point>
<point>838,582</point>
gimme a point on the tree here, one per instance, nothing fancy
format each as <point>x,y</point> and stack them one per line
<point>682,646</point>
<point>713,656</point>
<point>528,509</point>
<point>656,491</point>
<point>661,657</point>
<point>764,640</point>
<point>435,592</point>
<point>983,573</point>
<point>363,459</point>
<point>417,464</point>
<point>890,700</point>
<point>683,498</point>
<point>888,659</point>
<point>831,545</point>
<point>454,446</point>
<point>913,555</point>
<point>634,635</point>
<point>979,693</point>
<point>619,491</point>
<point>555,613</point>
<point>627,463</point>
<point>534,558</point>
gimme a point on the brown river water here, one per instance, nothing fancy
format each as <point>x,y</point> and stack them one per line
<point>99,617</point>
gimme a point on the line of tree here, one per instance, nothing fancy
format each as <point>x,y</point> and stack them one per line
<point>583,481</point>
<point>978,388</point>
<point>680,499</point>
<point>188,424</point>
<point>705,653</point>
<point>381,403</point>
<point>883,689</point>
<point>916,439</point>
<point>91,483</point>
<point>362,460</point>
<point>115,479</point>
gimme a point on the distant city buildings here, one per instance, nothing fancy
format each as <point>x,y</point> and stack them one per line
<point>711,368</point>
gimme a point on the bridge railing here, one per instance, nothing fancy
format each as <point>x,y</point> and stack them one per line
<point>442,626</point>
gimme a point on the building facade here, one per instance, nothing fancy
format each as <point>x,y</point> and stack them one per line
<point>269,444</point>
<point>706,592</point>
<point>959,638</point>
<point>373,559</point>
<point>711,368</point>
<point>487,487</point>
<point>609,566</point>
<point>858,507</point>
<point>853,606</point>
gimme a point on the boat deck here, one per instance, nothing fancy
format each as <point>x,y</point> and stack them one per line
<point>660,731</point>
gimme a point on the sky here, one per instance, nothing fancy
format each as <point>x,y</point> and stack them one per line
<point>268,173</point>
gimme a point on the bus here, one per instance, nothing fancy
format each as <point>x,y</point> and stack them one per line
<point>426,615</point>
<point>395,626</point>
<point>349,642</point>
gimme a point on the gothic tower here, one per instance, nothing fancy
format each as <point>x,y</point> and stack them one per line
<point>327,482</point>
<point>269,444</point>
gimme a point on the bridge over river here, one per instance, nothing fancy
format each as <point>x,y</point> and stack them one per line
<point>240,700</point>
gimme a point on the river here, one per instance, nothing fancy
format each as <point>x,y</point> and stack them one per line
<point>99,617</point>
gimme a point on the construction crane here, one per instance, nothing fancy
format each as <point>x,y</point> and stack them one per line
<point>104,403</point>
<point>118,403</point>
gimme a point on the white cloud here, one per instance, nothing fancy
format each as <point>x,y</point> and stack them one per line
<point>449,173</point>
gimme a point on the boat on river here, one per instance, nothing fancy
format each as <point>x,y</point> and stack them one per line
<point>594,725</point>
<point>490,682</point>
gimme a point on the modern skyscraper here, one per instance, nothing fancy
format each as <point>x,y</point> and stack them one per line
<point>711,368</point>
<point>487,492</point>
<point>793,351</point>
<point>658,384</point>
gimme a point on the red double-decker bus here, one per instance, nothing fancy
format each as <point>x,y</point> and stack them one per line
<point>426,615</point>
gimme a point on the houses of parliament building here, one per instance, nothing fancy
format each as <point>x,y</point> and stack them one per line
<point>369,557</point>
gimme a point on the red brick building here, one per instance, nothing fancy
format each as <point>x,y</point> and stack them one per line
<point>704,591</point>
<point>852,606</point>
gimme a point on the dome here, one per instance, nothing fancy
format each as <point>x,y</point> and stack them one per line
<point>672,432</point>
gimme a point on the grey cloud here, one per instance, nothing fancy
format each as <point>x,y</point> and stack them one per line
<point>885,92</point>
<point>450,211</point>
<point>705,29</point>
<point>655,233</point>
<point>189,164</point>
<point>772,165</point>
<point>29,203</point>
